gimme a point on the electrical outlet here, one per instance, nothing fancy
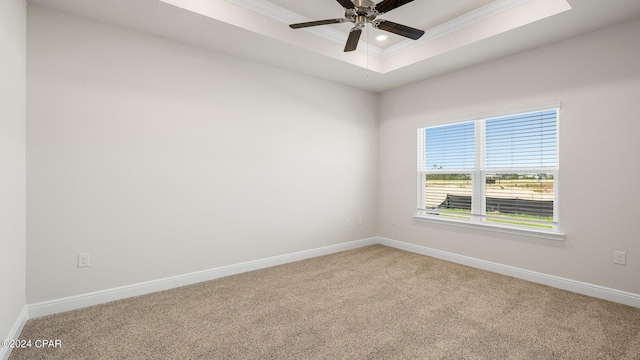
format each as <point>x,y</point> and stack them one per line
<point>347,222</point>
<point>84,260</point>
<point>393,220</point>
<point>620,257</point>
<point>360,220</point>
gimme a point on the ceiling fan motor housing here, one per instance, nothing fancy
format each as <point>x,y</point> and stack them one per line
<point>363,3</point>
<point>362,14</point>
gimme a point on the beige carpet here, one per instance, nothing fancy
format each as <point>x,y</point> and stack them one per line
<point>370,303</point>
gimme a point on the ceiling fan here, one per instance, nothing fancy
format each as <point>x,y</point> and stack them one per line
<point>362,12</point>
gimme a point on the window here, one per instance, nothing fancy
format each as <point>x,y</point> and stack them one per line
<point>500,171</point>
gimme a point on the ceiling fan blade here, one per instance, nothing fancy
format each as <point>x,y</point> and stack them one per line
<point>352,41</point>
<point>388,5</point>
<point>400,29</point>
<point>316,23</point>
<point>347,4</point>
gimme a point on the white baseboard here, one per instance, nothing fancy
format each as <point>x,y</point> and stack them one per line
<point>579,287</point>
<point>104,296</point>
<point>15,331</point>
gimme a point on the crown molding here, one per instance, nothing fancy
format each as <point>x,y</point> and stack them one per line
<point>286,16</point>
<point>267,8</point>
<point>455,24</point>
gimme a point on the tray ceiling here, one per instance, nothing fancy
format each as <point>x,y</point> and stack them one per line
<point>458,34</point>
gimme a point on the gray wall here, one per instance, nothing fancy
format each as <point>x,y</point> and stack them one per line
<point>597,79</point>
<point>13,18</point>
<point>161,159</point>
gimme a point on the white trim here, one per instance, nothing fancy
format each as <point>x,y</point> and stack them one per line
<point>289,17</point>
<point>456,24</point>
<point>488,226</point>
<point>14,333</point>
<point>478,198</point>
<point>279,13</point>
<point>55,306</point>
<point>491,115</point>
<point>579,287</point>
<point>272,10</point>
<point>103,296</point>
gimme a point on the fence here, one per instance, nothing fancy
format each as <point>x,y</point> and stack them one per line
<point>502,205</point>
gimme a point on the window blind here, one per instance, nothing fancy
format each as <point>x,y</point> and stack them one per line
<point>522,141</point>
<point>501,170</point>
<point>450,147</point>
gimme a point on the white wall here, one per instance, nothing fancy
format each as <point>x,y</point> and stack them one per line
<point>597,79</point>
<point>160,158</point>
<point>12,161</point>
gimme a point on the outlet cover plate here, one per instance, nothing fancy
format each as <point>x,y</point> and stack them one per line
<point>620,257</point>
<point>84,260</point>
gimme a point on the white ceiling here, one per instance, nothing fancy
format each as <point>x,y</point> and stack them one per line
<point>459,33</point>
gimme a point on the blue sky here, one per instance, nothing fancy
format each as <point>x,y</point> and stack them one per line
<point>526,140</point>
<point>450,146</point>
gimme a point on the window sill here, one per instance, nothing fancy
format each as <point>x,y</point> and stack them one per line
<point>544,234</point>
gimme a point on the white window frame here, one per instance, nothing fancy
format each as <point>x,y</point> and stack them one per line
<point>478,217</point>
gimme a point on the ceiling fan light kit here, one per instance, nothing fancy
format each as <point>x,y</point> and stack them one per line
<point>362,12</point>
